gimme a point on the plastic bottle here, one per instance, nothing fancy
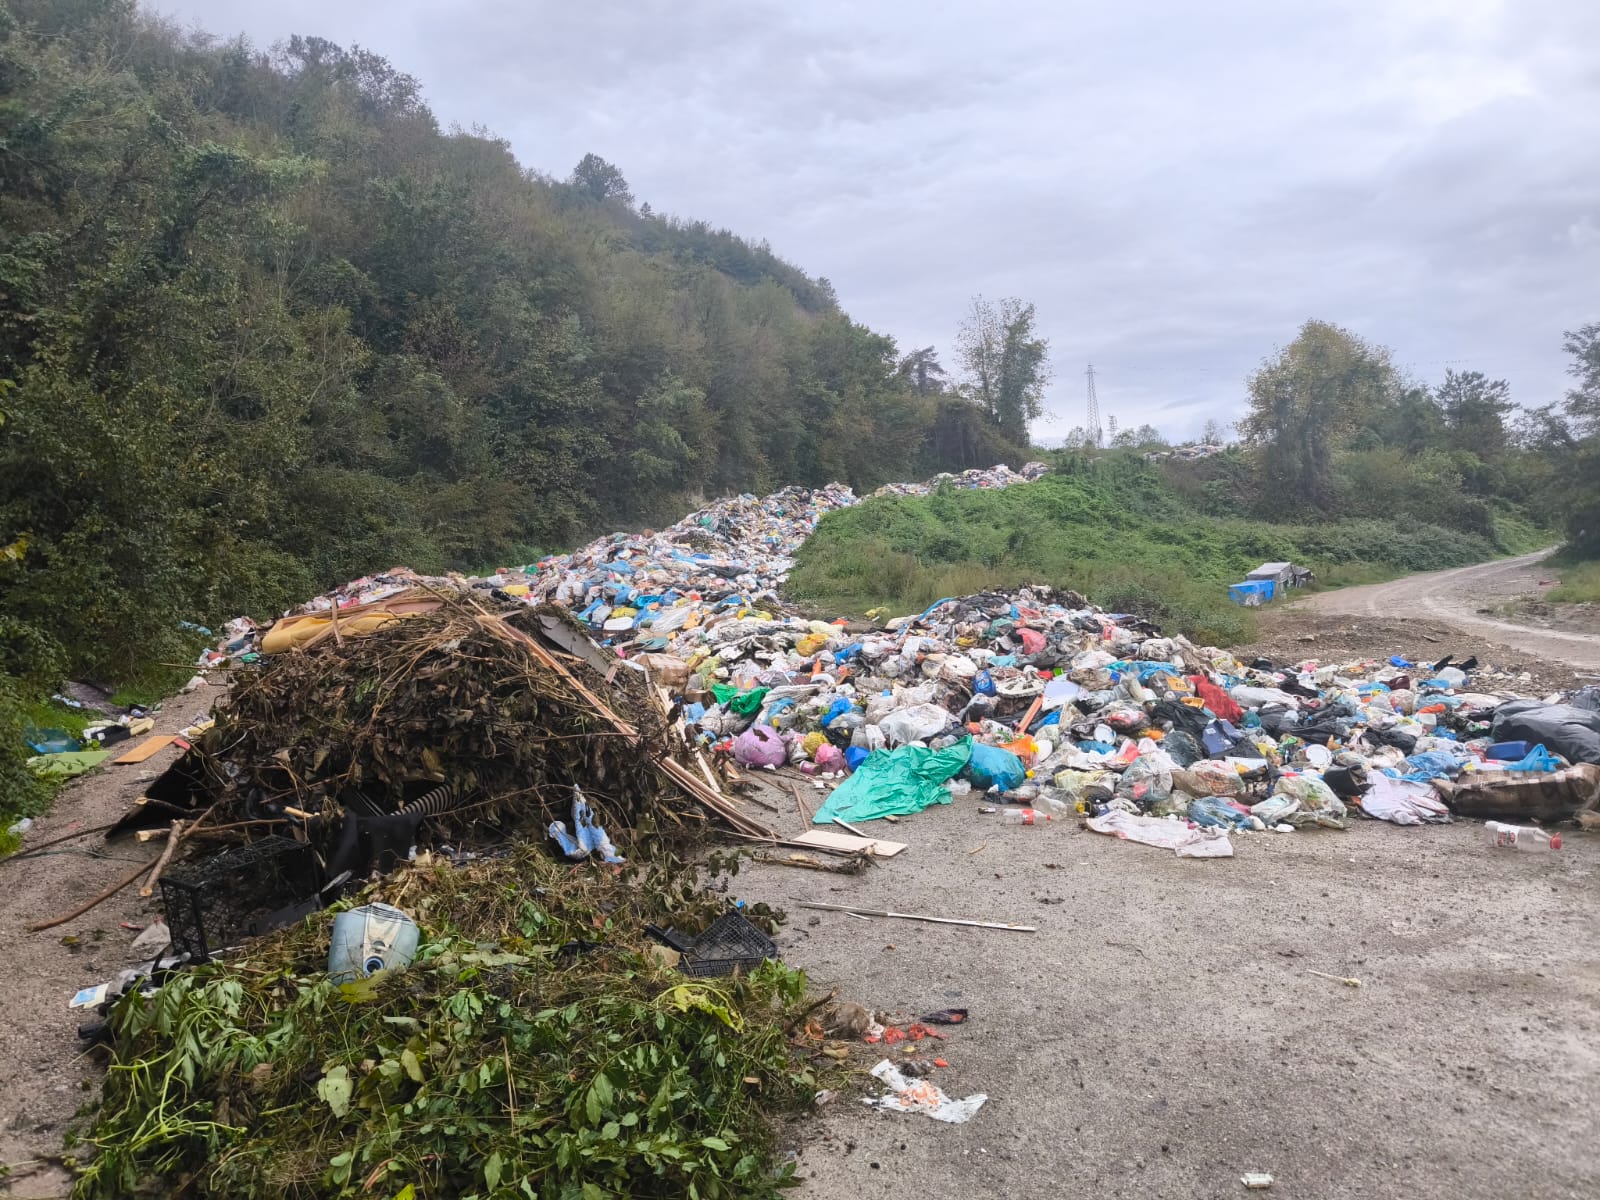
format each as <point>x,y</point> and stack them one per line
<point>1520,837</point>
<point>1023,816</point>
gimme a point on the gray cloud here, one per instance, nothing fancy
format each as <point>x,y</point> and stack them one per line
<point>1176,186</point>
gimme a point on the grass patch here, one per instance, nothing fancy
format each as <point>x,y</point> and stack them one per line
<point>1114,531</point>
<point>496,1065</point>
<point>1579,585</point>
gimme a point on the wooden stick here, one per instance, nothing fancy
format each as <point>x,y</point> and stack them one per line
<point>1033,711</point>
<point>55,841</point>
<point>1348,981</point>
<point>805,814</point>
<point>87,905</point>
<point>149,887</point>
<point>874,912</point>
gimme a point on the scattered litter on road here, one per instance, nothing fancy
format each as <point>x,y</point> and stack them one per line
<point>1348,981</point>
<point>920,1096</point>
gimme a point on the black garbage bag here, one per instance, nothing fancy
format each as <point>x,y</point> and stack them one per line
<point>1564,729</point>
<point>1183,748</point>
<point>1192,721</point>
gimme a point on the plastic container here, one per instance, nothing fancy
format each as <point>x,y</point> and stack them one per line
<point>1520,837</point>
<point>1023,816</point>
<point>374,937</point>
<point>1509,751</point>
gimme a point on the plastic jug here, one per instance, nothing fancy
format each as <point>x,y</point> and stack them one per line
<point>374,937</point>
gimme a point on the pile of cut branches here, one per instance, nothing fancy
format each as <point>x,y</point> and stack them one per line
<point>490,717</point>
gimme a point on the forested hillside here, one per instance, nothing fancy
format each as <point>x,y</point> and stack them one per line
<point>264,326</point>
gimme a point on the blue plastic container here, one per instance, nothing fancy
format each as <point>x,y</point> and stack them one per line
<point>1509,751</point>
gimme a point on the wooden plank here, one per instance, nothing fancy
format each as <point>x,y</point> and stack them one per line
<point>844,843</point>
<point>144,750</point>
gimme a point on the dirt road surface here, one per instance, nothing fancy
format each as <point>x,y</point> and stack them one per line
<point>1161,1035</point>
<point>46,1076</point>
<point>1459,597</point>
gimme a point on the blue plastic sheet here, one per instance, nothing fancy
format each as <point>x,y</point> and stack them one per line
<point>1432,764</point>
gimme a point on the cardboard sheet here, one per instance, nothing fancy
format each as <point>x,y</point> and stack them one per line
<point>848,841</point>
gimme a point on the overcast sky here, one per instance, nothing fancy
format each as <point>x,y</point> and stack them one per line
<point>1175,185</point>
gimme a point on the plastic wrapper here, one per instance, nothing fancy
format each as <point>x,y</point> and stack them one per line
<point>917,723</point>
<point>1147,780</point>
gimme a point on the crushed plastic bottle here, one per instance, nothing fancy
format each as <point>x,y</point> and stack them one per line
<point>1520,837</point>
<point>1023,816</point>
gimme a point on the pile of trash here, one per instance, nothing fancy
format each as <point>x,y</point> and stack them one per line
<point>1044,701</point>
<point>995,477</point>
<point>1037,698</point>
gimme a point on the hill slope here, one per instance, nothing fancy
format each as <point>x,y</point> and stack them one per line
<point>1114,530</point>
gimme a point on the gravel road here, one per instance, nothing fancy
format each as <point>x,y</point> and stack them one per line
<point>1458,596</point>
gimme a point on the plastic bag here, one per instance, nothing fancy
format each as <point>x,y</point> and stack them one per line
<point>760,746</point>
<point>1208,812</point>
<point>1147,780</point>
<point>1208,777</point>
<point>994,766</point>
<point>1537,759</point>
<point>1318,804</point>
<point>915,724</point>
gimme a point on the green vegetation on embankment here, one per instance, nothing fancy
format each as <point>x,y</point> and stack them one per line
<point>1580,584</point>
<point>1114,530</point>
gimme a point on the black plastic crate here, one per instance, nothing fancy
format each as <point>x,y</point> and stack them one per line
<point>728,944</point>
<point>219,901</point>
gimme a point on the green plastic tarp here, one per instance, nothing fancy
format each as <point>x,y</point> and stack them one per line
<point>67,764</point>
<point>744,703</point>
<point>892,783</point>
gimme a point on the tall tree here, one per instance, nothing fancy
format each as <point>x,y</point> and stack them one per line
<point>1306,401</point>
<point>1006,364</point>
<point>1582,410</point>
<point>922,369</point>
<point>600,180</point>
<point>1475,408</point>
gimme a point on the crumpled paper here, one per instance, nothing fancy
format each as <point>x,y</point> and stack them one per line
<point>921,1095</point>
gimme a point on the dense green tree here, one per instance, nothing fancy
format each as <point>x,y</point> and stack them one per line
<point>1475,409</point>
<point>1006,364</point>
<point>922,369</point>
<point>1581,489</point>
<point>1306,402</point>
<point>265,326</point>
<point>600,180</point>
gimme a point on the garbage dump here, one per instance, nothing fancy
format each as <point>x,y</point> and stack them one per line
<point>594,689</point>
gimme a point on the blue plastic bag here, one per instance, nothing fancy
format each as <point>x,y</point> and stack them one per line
<point>838,708</point>
<point>995,766</point>
<point>1215,814</point>
<point>1537,759</point>
<point>983,684</point>
<point>1432,764</point>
